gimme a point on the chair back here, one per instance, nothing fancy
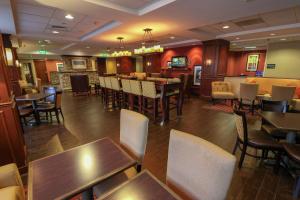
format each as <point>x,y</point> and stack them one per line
<point>241,125</point>
<point>126,85</point>
<point>102,82</point>
<point>39,84</point>
<point>149,89</point>
<point>58,98</point>
<point>107,82</point>
<point>220,86</point>
<point>248,91</point>
<point>198,169</point>
<point>50,90</point>
<point>136,87</point>
<point>115,84</point>
<point>282,93</point>
<point>274,106</point>
<point>134,132</point>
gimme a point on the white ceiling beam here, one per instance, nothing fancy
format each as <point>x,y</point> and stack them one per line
<point>153,6</point>
<point>7,20</point>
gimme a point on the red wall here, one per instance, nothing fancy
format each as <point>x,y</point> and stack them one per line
<point>194,54</point>
<point>51,66</point>
<point>155,60</point>
<point>237,60</point>
<point>127,65</point>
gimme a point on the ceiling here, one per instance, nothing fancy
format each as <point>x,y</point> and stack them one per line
<point>97,23</point>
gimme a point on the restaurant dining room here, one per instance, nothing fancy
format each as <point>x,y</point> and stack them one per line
<point>149,99</point>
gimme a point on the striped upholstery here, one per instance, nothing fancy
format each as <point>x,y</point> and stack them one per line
<point>107,82</point>
<point>102,82</point>
<point>136,87</point>
<point>149,89</point>
<point>126,85</point>
<point>115,83</point>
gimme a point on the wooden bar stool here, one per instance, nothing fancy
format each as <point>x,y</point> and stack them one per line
<point>136,91</point>
<point>102,88</point>
<point>149,92</point>
<point>126,93</point>
<point>108,92</point>
<point>117,91</point>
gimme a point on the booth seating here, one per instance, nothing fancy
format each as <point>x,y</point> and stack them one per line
<point>11,186</point>
<point>221,90</point>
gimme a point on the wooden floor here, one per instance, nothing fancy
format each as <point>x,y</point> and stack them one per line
<point>86,121</point>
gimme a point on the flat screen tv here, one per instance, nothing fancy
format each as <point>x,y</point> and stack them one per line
<point>179,61</point>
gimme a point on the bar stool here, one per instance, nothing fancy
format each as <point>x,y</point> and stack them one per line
<point>108,92</point>
<point>126,92</point>
<point>136,91</point>
<point>117,91</point>
<point>102,88</point>
<point>149,92</point>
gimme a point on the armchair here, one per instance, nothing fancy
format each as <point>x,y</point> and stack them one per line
<point>221,90</point>
<point>11,186</point>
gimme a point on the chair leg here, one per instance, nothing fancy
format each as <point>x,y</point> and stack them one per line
<point>242,156</point>
<point>154,109</point>
<point>140,103</point>
<point>57,116</point>
<point>235,146</point>
<point>60,110</point>
<point>50,116</point>
<point>277,165</point>
<point>297,188</point>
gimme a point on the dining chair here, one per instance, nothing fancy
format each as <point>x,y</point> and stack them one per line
<point>256,139</point>
<point>282,93</point>
<point>56,107</point>
<point>198,169</point>
<point>136,91</point>
<point>293,152</point>
<point>102,88</point>
<point>274,106</point>
<point>126,93</point>
<point>248,93</point>
<point>11,186</point>
<point>133,139</point>
<point>108,92</point>
<point>117,91</point>
<point>150,93</point>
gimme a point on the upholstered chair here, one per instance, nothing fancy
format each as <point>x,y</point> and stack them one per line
<point>282,93</point>
<point>108,92</point>
<point>11,186</point>
<point>248,93</point>
<point>150,93</point>
<point>221,90</point>
<point>117,91</point>
<point>256,139</point>
<point>133,138</point>
<point>198,169</point>
<point>102,87</point>
<point>136,91</point>
<point>127,100</point>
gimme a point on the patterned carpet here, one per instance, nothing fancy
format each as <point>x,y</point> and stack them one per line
<point>221,107</point>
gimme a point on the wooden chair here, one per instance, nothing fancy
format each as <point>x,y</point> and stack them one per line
<point>117,91</point>
<point>102,88</point>
<point>150,93</point>
<point>282,93</point>
<point>108,92</point>
<point>198,169</point>
<point>56,107</point>
<point>256,139</point>
<point>248,93</point>
<point>274,106</point>
<point>133,139</point>
<point>11,186</point>
<point>126,93</point>
<point>136,91</point>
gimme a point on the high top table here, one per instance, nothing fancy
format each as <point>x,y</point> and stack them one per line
<point>33,98</point>
<point>77,170</point>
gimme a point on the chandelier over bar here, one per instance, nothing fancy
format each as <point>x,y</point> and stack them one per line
<point>148,39</point>
<point>121,52</point>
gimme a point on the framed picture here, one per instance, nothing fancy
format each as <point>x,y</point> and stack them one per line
<point>79,64</point>
<point>252,62</point>
<point>197,74</point>
<point>59,66</point>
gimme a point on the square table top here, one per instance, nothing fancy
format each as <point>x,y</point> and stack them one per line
<point>282,121</point>
<point>143,186</point>
<point>33,97</point>
<point>68,173</point>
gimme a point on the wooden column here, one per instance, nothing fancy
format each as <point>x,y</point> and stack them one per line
<point>101,66</point>
<point>215,54</point>
<point>12,145</point>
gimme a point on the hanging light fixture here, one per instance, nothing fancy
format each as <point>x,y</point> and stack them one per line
<point>121,52</point>
<point>148,39</point>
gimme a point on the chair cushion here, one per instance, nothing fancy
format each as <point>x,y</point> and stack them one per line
<point>45,107</point>
<point>261,139</point>
<point>25,112</point>
<point>223,95</point>
<point>293,150</point>
<point>12,193</point>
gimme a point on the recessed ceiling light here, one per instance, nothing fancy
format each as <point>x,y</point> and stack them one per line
<point>69,16</point>
<point>55,32</point>
<point>87,47</point>
<point>172,37</point>
<point>283,39</point>
<point>272,34</point>
<point>226,27</point>
<point>250,47</point>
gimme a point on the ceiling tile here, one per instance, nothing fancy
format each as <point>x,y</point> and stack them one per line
<point>276,18</point>
<point>32,18</point>
<point>43,11</point>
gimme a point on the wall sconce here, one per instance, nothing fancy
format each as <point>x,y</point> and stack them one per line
<point>118,64</point>
<point>208,62</point>
<point>9,57</point>
<point>149,63</point>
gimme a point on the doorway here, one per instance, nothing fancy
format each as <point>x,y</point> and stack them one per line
<point>27,73</point>
<point>41,71</point>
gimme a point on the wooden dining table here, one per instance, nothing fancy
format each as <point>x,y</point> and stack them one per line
<point>143,186</point>
<point>287,122</point>
<point>34,98</point>
<point>77,170</point>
